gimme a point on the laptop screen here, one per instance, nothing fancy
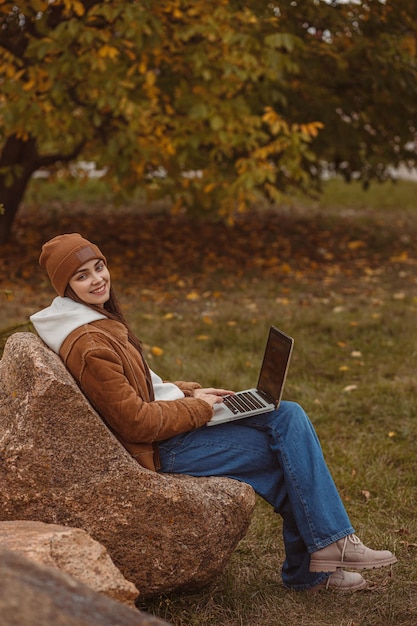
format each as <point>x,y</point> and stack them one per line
<point>275,364</point>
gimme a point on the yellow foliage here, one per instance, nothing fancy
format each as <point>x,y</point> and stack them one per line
<point>171,85</point>
<point>311,129</point>
<point>276,123</point>
<point>107,51</point>
<point>39,80</point>
<point>169,110</point>
<point>167,146</point>
<point>74,5</point>
<point>143,65</point>
<point>139,168</point>
<point>150,78</point>
<point>22,134</point>
<point>28,85</point>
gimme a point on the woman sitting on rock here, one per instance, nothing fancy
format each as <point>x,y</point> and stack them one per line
<point>163,424</point>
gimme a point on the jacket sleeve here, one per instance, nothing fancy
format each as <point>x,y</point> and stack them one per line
<point>129,414</point>
<point>187,388</point>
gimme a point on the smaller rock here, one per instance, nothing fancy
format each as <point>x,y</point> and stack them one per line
<point>72,551</point>
<point>32,594</point>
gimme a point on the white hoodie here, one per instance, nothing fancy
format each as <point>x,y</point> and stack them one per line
<point>64,315</point>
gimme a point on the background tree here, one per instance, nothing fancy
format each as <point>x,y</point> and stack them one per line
<point>210,104</point>
<point>357,73</point>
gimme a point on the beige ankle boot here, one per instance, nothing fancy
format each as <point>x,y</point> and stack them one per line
<point>351,553</point>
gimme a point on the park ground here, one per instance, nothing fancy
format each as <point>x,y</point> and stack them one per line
<point>337,273</point>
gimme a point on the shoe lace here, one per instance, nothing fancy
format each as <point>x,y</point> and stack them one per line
<point>353,539</point>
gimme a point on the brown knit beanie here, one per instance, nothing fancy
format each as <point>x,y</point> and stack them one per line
<point>63,255</point>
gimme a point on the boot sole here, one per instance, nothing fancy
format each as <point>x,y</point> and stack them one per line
<point>331,566</point>
<point>322,587</point>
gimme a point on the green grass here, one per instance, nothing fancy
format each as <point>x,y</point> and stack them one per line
<point>353,369</point>
<point>390,195</point>
<point>336,195</point>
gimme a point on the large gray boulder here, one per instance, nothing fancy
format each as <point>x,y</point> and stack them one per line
<point>60,464</point>
<point>33,594</point>
<point>71,550</point>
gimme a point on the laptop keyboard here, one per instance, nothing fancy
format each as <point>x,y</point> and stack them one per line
<point>242,402</point>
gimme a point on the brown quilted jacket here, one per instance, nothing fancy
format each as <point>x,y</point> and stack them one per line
<point>111,373</point>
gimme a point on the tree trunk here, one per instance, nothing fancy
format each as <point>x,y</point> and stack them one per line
<point>11,198</point>
<point>21,159</point>
<point>18,162</point>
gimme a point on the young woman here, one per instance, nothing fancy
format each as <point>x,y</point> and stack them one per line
<point>162,424</point>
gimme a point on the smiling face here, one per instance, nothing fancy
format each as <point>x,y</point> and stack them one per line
<point>91,282</point>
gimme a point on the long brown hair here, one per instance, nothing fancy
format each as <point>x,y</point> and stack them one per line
<point>112,310</point>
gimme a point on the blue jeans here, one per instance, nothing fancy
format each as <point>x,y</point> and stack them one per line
<point>279,454</point>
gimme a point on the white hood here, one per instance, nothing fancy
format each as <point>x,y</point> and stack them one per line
<point>58,320</point>
<point>64,315</point>
<point>164,391</point>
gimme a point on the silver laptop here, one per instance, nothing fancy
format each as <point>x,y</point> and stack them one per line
<point>268,392</point>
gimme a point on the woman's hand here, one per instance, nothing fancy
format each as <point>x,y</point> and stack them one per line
<point>211,395</point>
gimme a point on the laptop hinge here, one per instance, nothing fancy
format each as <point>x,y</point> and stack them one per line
<point>267,398</point>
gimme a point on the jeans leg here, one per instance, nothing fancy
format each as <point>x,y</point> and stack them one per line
<point>278,454</point>
<point>314,500</point>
